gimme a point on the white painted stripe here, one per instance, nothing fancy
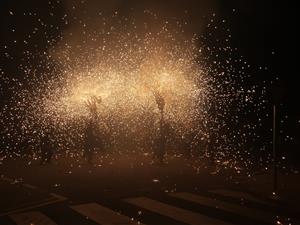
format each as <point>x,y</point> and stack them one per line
<point>30,186</point>
<point>6,179</point>
<point>229,207</point>
<point>102,215</point>
<point>173,212</point>
<point>32,205</point>
<point>240,195</point>
<point>60,197</point>
<point>33,217</point>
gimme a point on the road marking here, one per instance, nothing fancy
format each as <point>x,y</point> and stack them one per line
<point>30,186</point>
<point>241,195</point>
<point>32,205</point>
<point>173,212</point>
<point>102,215</point>
<point>59,197</point>
<point>6,178</point>
<point>229,207</point>
<point>33,217</point>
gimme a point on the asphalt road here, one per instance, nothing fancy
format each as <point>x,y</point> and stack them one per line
<point>131,189</point>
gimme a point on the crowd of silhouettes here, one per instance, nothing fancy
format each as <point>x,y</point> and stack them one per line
<point>93,140</point>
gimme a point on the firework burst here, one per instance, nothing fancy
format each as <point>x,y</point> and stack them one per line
<point>118,71</point>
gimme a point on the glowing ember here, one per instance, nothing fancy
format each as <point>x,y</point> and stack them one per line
<point>124,74</point>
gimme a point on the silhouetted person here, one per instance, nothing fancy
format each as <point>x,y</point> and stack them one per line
<point>188,142</point>
<point>91,136</point>
<point>161,144</point>
<point>89,142</point>
<point>160,150</point>
<point>47,148</point>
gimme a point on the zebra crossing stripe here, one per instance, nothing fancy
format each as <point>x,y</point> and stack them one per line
<point>241,195</point>
<point>32,217</point>
<point>102,215</point>
<point>229,207</point>
<point>31,206</point>
<point>173,212</point>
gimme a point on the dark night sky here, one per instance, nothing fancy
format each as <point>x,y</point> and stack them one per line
<point>258,28</point>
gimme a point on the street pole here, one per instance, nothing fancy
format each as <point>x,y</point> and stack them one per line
<point>274,153</point>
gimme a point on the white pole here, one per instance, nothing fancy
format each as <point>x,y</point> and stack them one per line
<point>274,153</point>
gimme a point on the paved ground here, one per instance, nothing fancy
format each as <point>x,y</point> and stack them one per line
<point>132,190</point>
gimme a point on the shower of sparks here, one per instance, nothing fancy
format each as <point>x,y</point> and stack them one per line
<point>205,87</point>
